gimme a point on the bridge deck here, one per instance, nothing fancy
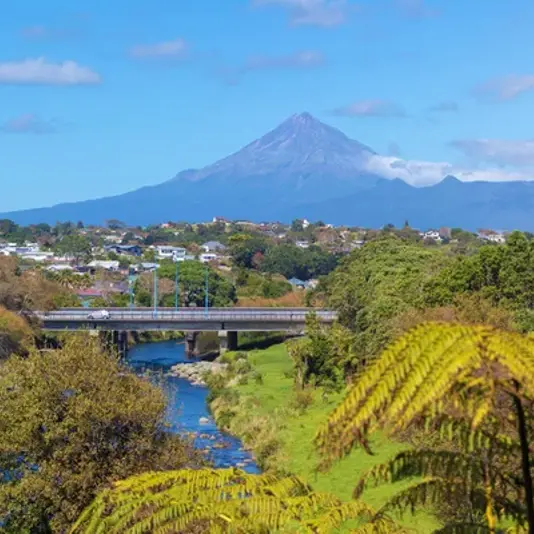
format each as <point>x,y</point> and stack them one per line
<point>189,319</point>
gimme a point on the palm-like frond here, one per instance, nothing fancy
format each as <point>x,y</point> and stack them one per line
<point>223,500</point>
<point>431,366</point>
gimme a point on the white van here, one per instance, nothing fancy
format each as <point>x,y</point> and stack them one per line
<point>100,314</point>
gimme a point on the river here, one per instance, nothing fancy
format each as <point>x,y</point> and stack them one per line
<point>187,404</point>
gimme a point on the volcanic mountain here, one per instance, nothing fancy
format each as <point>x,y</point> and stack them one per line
<point>303,168</point>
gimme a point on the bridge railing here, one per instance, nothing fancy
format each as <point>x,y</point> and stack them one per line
<point>212,315</point>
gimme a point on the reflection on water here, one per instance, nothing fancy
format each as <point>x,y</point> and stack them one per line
<point>187,404</point>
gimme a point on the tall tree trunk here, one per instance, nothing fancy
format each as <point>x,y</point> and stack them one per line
<point>525,460</point>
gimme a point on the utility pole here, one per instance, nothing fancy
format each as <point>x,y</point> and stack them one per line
<point>131,287</point>
<point>206,293</point>
<point>155,291</point>
<point>177,289</point>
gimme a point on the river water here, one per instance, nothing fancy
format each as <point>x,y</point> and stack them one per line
<point>187,404</point>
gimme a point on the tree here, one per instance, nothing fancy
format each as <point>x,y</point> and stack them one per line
<point>75,246</point>
<point>7,226</point>
<point>74,420</point>
<point>474,381</point>
<point>115,224</point>
<point>323,357</point>
<point>377,283</point>
<point>244,247</point>
<point>222,500</point>
<point>192,282</point>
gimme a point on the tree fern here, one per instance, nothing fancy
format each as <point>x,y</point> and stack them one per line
<point>460,378</point>
<point>224,500</point>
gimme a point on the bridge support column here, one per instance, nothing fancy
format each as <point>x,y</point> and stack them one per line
<point>122,343</point>
<point>227,340</point>
<point>119,342</point>
<point>191,349</point>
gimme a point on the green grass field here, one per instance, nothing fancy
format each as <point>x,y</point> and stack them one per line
<point>297,433</point>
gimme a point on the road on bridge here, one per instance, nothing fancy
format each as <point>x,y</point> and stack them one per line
<point>187,319</point>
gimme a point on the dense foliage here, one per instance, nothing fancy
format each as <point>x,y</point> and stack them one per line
<point>222,501</point>
<point>477,383</point>
<point>377,283</point>
<point>73,420</point>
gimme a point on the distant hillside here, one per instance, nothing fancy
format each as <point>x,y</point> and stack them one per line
<point>303,168</point>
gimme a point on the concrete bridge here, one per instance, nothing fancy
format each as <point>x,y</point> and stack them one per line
<point>226,321</point>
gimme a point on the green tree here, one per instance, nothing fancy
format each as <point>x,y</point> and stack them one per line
<point>223,501</point>
<point>74,420</point>
<point>75,246</point>
<point>377,283</point>
<point>192,282</point>
<point>476,383</point>
<point>244,247</point>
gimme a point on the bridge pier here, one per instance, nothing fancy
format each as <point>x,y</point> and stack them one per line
<point>191,349</point>
<point>122,343</point>
<point>227,340</point>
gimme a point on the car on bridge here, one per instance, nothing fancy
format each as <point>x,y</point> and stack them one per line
<point>99,315</point>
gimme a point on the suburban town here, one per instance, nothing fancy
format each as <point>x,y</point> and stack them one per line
<point>125,252</point>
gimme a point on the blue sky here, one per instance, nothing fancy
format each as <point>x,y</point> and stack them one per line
<point>116,95</point>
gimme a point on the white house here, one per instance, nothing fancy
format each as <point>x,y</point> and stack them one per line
<point>171,253</point>
<point>431,234</point>
<point>107,265</point>
<point>302,244</point>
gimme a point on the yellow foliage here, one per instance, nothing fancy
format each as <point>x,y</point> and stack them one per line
<point>221,501</point>
<point>433,365</point>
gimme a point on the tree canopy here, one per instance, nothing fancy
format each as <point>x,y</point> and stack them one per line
<point>73,420</point>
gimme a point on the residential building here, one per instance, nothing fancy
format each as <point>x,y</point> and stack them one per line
<point>168,252</point>
<point>126,250</point>
<point>213,246</point>
<point>302,244</point>
<point>106,265</point>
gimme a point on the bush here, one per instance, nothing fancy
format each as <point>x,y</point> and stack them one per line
<point>303,399</point>
<point>82,420</point>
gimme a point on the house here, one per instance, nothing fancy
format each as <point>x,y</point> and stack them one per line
<point>168,252</point>
<point>305,223</point>
<point>431,235</point>
<point>145,267</point>
<point>106,265</point>
<point>220,220</point>
<point>125,250</point>
<point>302,244</point>
<point>492,236</point>
<point>207,257</point>
<point>213,246</point>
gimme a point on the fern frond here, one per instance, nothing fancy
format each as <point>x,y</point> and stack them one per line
<point>433,367</point>
<point>226,500</point>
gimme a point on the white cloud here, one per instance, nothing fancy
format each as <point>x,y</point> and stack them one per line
<point>370,108</point>
<point>28,123</point>
<point>325,13</point>
<point>167,49</point>
<point>507,87</point>
<point>424,173</point>
<point>40,72</point>
<point>496,151</point>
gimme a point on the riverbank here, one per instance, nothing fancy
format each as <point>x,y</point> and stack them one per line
<point>187,410</point>
<point>262,408</point>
